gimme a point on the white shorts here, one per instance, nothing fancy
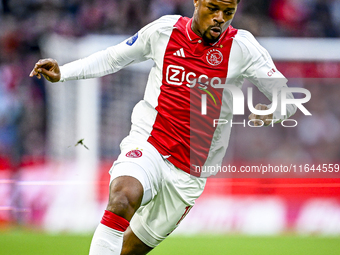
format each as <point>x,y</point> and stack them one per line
<point>169,193</point>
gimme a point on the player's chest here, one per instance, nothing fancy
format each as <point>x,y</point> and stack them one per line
<point>185,61</point>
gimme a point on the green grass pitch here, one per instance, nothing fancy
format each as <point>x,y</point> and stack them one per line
<point>28,242</point>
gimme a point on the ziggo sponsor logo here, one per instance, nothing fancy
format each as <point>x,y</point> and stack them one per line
<point>176,75</point>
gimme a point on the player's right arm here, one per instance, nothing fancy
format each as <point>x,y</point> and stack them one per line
<point>96,65</point>
<point>133,50</point>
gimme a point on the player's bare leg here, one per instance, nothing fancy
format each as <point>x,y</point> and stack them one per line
<point>132,245</point>
<point>125,198</point>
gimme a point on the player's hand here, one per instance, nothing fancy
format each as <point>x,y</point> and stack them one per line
<point>261,120</point>
<point>49,68</point>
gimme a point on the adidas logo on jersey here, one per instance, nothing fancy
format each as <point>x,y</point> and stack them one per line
<point>180,53</point>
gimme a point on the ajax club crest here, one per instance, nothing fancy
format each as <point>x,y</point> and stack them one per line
<point>134,154</point>
<point>214,57</point>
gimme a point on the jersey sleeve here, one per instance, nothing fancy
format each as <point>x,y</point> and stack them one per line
<point>262,72</point>
<point>133,50</point>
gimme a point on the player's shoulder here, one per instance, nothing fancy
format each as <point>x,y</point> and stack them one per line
<point>165,22</point>
<point>248,43</point>
<point>169,20</point>
<point>245,37</point>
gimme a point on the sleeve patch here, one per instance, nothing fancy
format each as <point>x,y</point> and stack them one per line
<point>132,39</point>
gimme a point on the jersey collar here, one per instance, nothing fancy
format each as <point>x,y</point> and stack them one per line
<point>191,34</point>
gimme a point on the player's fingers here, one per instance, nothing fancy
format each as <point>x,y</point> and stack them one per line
<point>47,63</point>
<point>43,62</point>
<point>38,75</point>
<point>35,70</point>
<point>254,118</point>
<point>261,107</point>
<point>251,116</point>
<point>258,122</point>
<point>44,72</point>
<point>267,122</point>
<point>260,118</point>
<point>257,107</point>
<point>266,119</point>
<point>50,75</point>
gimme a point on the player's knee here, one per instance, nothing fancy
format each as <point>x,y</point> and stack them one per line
<point>126,195</point>
<point>121,204</point>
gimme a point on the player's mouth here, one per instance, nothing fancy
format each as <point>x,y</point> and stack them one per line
<point>215,31</point>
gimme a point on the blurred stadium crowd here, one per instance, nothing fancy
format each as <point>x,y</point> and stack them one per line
<point>24,22</point>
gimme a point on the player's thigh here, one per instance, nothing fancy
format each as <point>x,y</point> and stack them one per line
<point>156,220</point>
<point>139,159</point>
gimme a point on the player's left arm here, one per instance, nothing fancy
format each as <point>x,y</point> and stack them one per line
<point>272,87</point>
<point>263,73</point>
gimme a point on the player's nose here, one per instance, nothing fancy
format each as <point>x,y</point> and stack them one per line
<point>219,17</point>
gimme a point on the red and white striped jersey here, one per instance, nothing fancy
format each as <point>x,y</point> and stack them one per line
<point>186,68</point>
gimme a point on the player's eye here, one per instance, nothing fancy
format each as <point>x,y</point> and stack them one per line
<point>212,9</point>
<point>229,13</point>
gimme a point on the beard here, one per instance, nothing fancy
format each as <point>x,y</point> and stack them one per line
<point>207,36</point>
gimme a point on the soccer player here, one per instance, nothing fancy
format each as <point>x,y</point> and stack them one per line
<point>155,182</point>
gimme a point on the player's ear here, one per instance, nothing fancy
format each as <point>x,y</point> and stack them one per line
<point>196,3</point>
